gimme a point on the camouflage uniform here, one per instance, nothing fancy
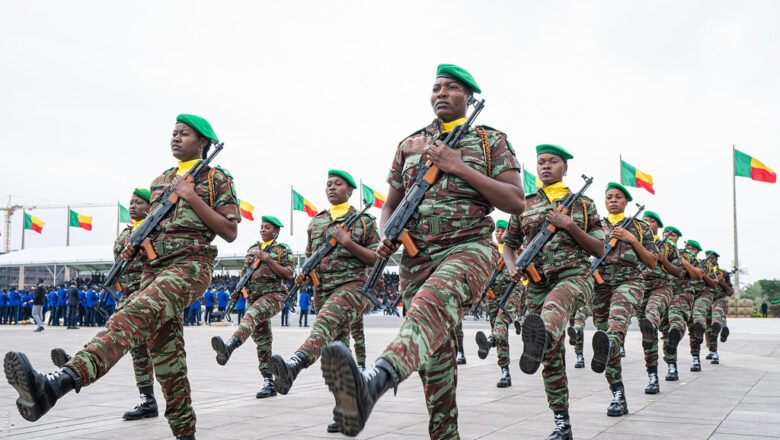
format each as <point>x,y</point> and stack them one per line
<point>499,321</point>
<point>702,304</point>
<point>266,296</point>
<point>169,284</point>
<point>658,297</point>
<point>578,322</point>
<point>356,329</point>
<point>566,283</point>
<point>720,307</point>
<point>455,261</point>
<point>619,297</point>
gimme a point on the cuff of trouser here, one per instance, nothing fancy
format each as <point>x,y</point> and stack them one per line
<point>184,433</point>
<point>400,370</point>
<point>385,365</point>
<point>77,382</point>
<point>79,369</point>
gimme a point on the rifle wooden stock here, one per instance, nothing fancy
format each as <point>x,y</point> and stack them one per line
<point>491,294</point>
<point>315,280</point>
<point>433,173</point>
<point>148,247</point>
<point>533,273</point>
<point>597,277</point>
<point>406,239</point>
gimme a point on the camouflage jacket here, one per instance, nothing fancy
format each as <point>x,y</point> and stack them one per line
<point>720,292</point>
<point>623,262</point>
<point>502,282</point>
<point>452,212</point>
<point>700,287</point>
<point>183,233</point>
<point>659,276</point>
<point>341,266</point>
<point>264,280</point>
<point>562,256</point>
<point>131,280</point>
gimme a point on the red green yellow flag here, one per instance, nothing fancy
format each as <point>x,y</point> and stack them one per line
<point>372,197</point>
<point>33,223</point>
<point>630,176</point>
<point>247,210</point>
<point>80,221</point>
<point>124,215</point>
<point>300,203</point>
<point>749,166</point>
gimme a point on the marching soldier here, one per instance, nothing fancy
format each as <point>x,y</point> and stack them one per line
<point>266,295</point>
<point>720,305</point>
<point>704,290</point>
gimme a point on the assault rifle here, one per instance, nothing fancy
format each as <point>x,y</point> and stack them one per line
<point>393,308</point>
<point>142,237</point>
<point>487,291</point>
<point>658,242</point>
<point>594,267</point>
<point>405,214</point>
<point>241,286</point>
<point>525,262</point>
<point>309,267</point>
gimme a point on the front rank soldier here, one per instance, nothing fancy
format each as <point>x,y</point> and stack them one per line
<point>720,305</point>
<point>266,296</point>
<point>455,259</point>
<point>172,281</point>
<point>704,291</point>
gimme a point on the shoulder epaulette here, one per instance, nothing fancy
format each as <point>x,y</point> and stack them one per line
<point>224,171</point>
<point>414,134</point>
<point>586,198</point>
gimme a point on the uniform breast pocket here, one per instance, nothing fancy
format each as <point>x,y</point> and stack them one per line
<point>457,186</point>
<point>411,165</point>
<point>531,222</point>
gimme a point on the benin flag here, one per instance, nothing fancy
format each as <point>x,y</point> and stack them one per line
<point>247,210</point>
<point>749,166</point>
<point>124,215</point>
<point>33,223</point>
<point>630,176</point>
<point>372,197</point>
<point>80,221</point>
<point>300,203</point>
<point>531,183</point>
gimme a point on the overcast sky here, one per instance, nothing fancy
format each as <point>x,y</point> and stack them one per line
<point>90,92</point>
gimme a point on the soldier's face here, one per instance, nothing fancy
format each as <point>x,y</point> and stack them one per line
<point>500,235</point>
<point>337,190</point>
<point>186,143</point>
<point>268,231</point>
<point>673,237</point>
<point>713,259</point>
<point>138,208</point>
<point>449,99</point>
<point>550,168</point>
<point>691,250</point>
<point>616,201</point>
<point>652,222</point>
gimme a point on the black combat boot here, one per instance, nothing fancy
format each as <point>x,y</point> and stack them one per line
<point>147,408</point>
<point>355,392</point>
<point>461,358</point>
<point>603,350</point>
<point>652,387</point>
<point>518,326</point>
<point>619,406</point>
<point>186,437</point>
<point>671,375</point>
<point>715,358</point>
<point>59,357</point>
<point>649,333</point>
<point>286,372</point>
<point>506,378</point>
<point>485,344</point>
<point>224,350</point>
<point>580,361</point>
<point>697,332</point>
<point>333,427</point>
<point>724,334</point>
<point>696,367</point>
<point>573,335</point>
<point>709,355</point>
<point>269,388</point>
<point>622,351</point>
<point>37,392</point>
<point>674,339</point>
<point>562,427</point>
<point>716,327</point>
<point>535,340</point>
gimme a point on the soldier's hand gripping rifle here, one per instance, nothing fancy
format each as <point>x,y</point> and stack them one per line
<point>241,286</point>
<point>309,267</point>
<point>406,214</point>
<point>658,242</point>
<point>611,244</point>
<point>141,238</point>
<point>525,262</point>
<point>487,291</point>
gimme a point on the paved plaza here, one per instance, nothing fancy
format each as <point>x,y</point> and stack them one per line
<point>736,400</point>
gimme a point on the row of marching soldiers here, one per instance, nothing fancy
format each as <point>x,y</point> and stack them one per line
<point>440,278</point>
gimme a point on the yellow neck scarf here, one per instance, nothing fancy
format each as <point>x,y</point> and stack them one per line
<point>615,218</point>
<point>501,249</point>
<point>449,126</point>
<point>184,167</point>
<point>338,211</point>
<point>266,243</point>
<point>137,224</point>
<point>556,191</point>
<point>655,237</point>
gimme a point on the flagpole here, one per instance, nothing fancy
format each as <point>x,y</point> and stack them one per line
<point>292,202</point>
<point>361,194</point>
<point>24,217</point>
<point>734,208</point>
<point>67,233</point>
<point>620,168</point>
<point>118,209</point>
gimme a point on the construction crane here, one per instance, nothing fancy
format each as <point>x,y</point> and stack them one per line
<point>9,212</point>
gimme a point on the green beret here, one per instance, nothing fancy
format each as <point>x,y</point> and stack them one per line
<point>344,175</point>
<point>708,253</point>
<point>502,224</point>
<point>143,193</point>
<point>458,73</point>
<point>693,243</point>
<point>622,188</point>
<point>655,217</point>
<point>200,125</point>
<point>553,149</point>
<point>272,220</point>
<point>673,229</point>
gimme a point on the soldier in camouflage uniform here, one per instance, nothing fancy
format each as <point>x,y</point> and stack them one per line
<point>704,292</point>
<point>180,274</point>
<point>266,296</point>
<point>566,283</point>
<point>720,304</point>
<point>657,297</point>
<point>576,331</point>
<point>619,297</point>
<point>455,259</point>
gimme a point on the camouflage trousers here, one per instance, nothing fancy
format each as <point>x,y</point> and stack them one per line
<point>702,307</point>
<point>676,317</point>
<point>337,311</point>
<point>720,308</point>
<point>142,364</point>
<point>654,307</point>
<point>613,306</point>
<point>578,322</point>
<point>358,334</point>
<point>556,302</point>
<point>438,289</point>
<point>153,316</point>
<point>459,335</point>
<point>257,323</point>
<point>500,326</point>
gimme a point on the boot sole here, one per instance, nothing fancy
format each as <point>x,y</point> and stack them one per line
<point>219,346</point>
<point>600,352</point>
<point>674,340</point>
<point>620,413</point>
<point>724,334</point>
<point>281,374</point>
<point>649,333</point>
<point>59,357</point>
<point>518,327</point>
<point>483,344</point>
<point>148,415</point>
<point>340,373</point>
<point>19,373</point>
<point>534,344</point>
<point>258,396</point>
<point>505,384</point>
<point>651,391</point>
<point>572,332</point>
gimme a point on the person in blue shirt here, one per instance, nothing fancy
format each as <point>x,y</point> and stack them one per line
<point>82,304</point>
<point>222,300</point>
<point>194,308</point>
<point>286,315</point>
<point>14,305</point>
<point>209,303</point>
<point>27,303</point>
<point>303,304</point>
<point>62,305</point>
<point>111,302</point>
<point>240,307</point>
<point>92,299</point>
<point>52,305</point>
<point>3,306</point>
